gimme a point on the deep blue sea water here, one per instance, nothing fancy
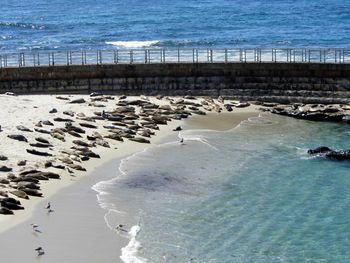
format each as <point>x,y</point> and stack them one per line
<point>92,24</point>
<point>251,194</point>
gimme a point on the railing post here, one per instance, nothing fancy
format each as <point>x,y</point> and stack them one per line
<point>38,59</point>
<point>225,55</point>
<point>131,56</point>
<point>82,57</point>
<point>163,51</point>
<point>211,56</point>
<point>192,55</point>
<point>178,55</point>
<point>20,60</point>
<point>53,58</point>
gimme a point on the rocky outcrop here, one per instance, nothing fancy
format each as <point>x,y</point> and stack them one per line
<point>314,112</point>
<point>338,155</point>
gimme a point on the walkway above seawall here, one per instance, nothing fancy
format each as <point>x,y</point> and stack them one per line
<point>280,75</point>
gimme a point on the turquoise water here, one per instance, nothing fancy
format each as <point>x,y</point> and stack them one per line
<point>251,194</point>
<point>27,25</point>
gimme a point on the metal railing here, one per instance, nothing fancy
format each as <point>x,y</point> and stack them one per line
<point>148,56</point>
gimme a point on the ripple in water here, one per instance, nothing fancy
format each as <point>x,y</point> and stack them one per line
<point>246,195</point>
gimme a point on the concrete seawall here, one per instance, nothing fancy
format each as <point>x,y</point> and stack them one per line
<point>281,82</point>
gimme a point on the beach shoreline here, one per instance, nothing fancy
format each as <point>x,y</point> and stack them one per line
<point>56,192</point>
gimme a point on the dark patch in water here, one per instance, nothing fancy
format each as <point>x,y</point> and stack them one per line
<point>150,182</point>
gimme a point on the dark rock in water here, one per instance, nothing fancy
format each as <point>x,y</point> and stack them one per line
<point>331,154</point>
<point>77,101</point>
<point>35,152</point>
<point>53,110</point>
<point>4,168</point>
<point>5,211</point>
<point>321,149</point>
<point>346,119</point>
<point>178,128</point>
<point>338,155</point>
<point>23,128</point>
<point>18,137</point>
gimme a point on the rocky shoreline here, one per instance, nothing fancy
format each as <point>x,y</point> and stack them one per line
<point>313,112</point>
<point>59,142</point>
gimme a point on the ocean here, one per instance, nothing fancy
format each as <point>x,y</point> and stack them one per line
<point>42,25</point>
<point>250,194</point>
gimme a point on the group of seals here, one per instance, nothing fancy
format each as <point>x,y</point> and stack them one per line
<point>131,119</point>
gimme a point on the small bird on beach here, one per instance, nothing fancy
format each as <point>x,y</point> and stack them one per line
<point>181,140</point>
<point>40,251</point>
<point>120,227</point>
<point>48,207</point>
<point>35,228</point>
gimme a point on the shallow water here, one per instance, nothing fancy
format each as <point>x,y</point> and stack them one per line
<point>95,24</point>
<point>251,194</point>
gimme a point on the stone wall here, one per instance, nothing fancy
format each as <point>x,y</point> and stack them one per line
<point>282,82</point>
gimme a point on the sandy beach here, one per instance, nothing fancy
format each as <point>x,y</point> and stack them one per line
<point>75,231</point>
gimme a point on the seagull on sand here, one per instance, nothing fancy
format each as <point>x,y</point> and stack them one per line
<point>40,251</point>
<point>48,207</point>
<point>35,228</point>
<point>120,227</point>
<point>181,140</point>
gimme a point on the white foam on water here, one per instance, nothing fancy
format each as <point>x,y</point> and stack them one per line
<point>133,44</point>
<point>131,252</point>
